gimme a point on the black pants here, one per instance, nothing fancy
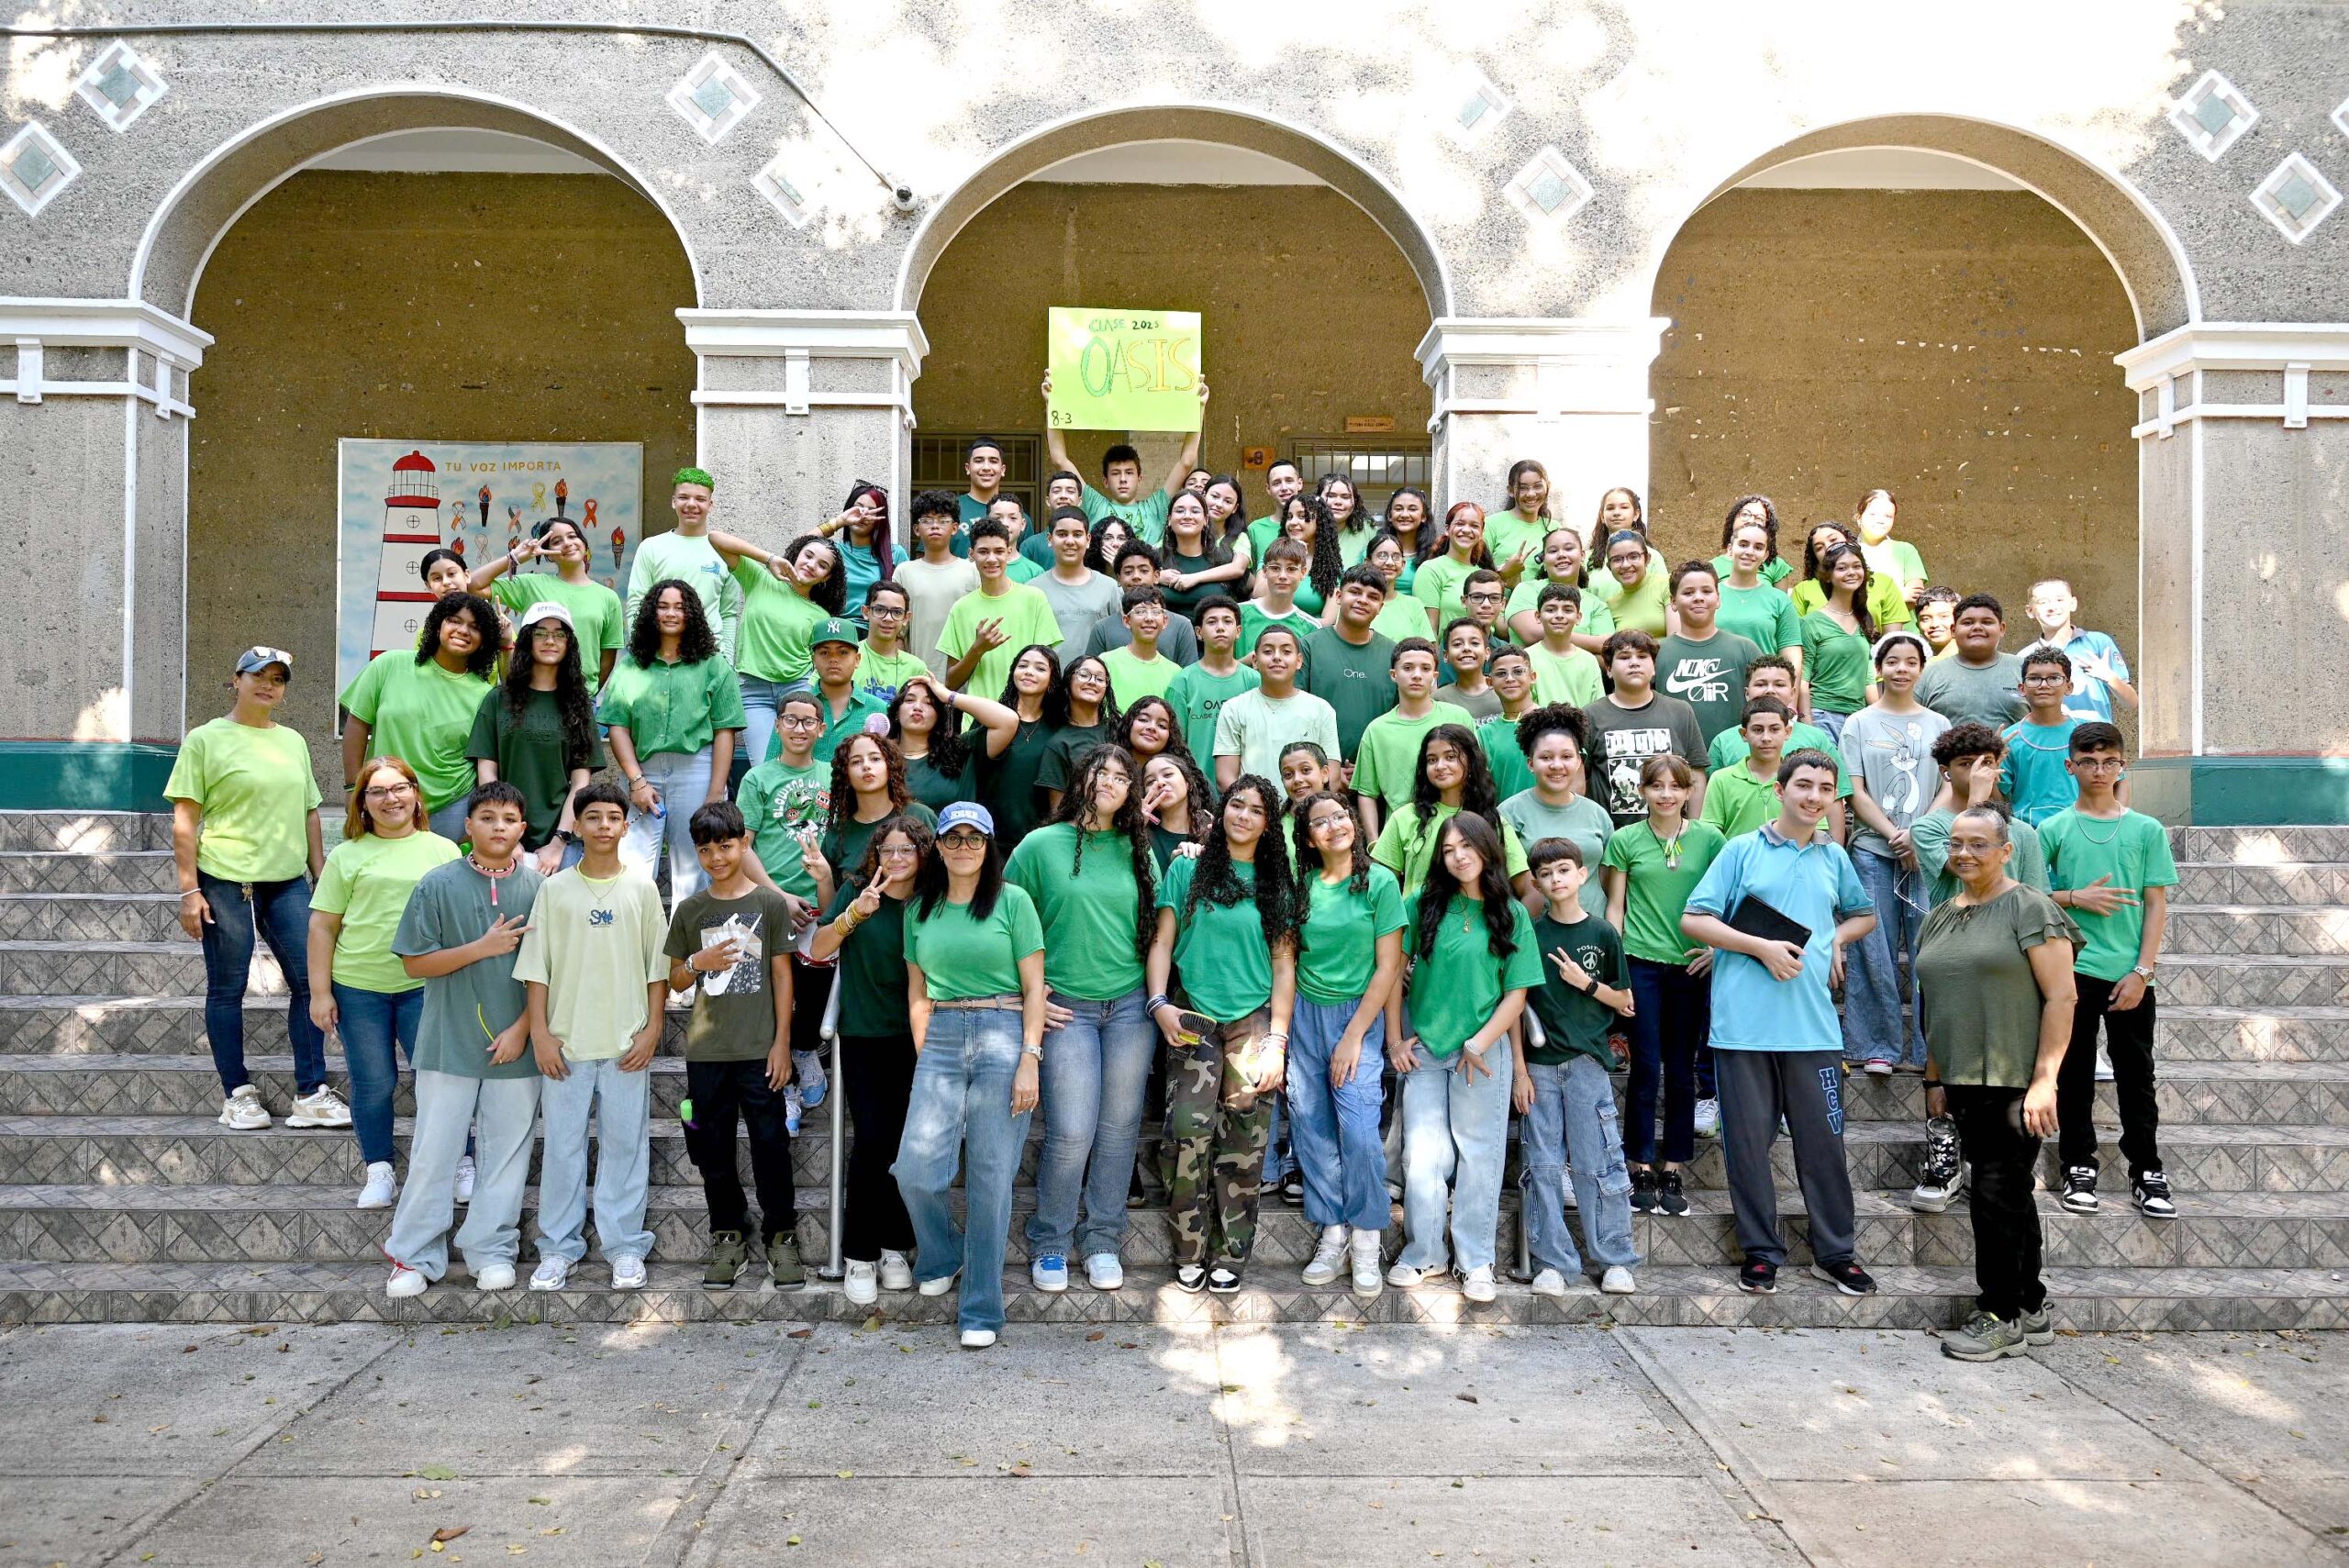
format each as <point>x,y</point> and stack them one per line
<point>2007,1245</point>
<point>723,1092</point>
<point>811,992</point>
<point>879,1074</point>
<point>1757,1087</point>
<point>2129,1041</point>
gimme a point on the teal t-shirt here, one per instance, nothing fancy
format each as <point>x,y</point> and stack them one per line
<point>2132,849</point>
<point>2034,777</point>
<point>962,959</point>
<point>780,803</point>
<point>1761,615</point>
<point>1455,989</point>
<point>466,1009</point>
<point>1197,694</point>
<point>1088,903</point>
<point>1227,969</point>
<point>1341,935</point>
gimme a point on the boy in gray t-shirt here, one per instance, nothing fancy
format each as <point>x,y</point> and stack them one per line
<point>1889,750</point>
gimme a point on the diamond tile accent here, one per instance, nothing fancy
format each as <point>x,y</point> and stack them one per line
<point>2340,116</point>
<point>35,167</point>
<point>775,186</point>
<point>1549,190</point>
<point>1482,105</point>
<point>119,85</point>
<point>2296,197</point>
<point>2212,115</point>
<point>713,98</point>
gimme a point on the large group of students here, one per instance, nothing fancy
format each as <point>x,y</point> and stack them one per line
<point>1326,841</point>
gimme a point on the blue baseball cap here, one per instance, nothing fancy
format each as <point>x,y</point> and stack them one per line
<point>965,813</point>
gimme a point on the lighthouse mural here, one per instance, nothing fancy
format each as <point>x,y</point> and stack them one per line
<point>411,527</point>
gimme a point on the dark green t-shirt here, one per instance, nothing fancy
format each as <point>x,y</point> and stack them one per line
<point>1574,1020</point>
<point>1066,754</point>
<point>466,1009</point>
<point>872,974</point>
<point>1357,682</point>
<point>733,1015</point>
<point>1227,969</point>
<point>1008,784</point>
<point>934,789</point>
<point>533,756</point>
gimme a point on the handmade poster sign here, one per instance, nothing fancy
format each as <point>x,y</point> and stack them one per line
<point>1123,370</point>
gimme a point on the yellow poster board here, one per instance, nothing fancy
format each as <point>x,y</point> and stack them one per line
<point>1123,370</point>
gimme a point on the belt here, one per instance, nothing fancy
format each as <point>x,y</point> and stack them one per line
<point>981,1004</point>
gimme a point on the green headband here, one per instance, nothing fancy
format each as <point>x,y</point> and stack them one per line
<point>695,476</point>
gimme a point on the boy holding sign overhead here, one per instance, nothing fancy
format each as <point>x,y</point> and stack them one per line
<point>1122,464</point>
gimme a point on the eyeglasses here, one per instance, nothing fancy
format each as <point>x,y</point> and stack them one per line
<point>379,791</point>
<point>900,853</point>
<point>2047,678</point>
<point>2100,764</point>
<point>802,722</point>
<point>883,612</point>
<point>962,842</point>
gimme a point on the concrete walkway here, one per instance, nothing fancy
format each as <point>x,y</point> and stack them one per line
<point>710,1444</point>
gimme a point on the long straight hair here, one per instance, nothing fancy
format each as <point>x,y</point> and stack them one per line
<point>1076,801</point>
<point>572,703</point>
<point>929,883</point>
<point>1492,885</point>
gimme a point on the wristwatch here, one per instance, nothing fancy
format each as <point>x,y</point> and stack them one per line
<point>2143,972</point>
<point>566,835</point>
<point>1032,1050</point>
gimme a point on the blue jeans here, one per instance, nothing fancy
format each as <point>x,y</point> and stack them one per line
<point>683,781</point>
<point>961,1109</point>
<point>446,1105</point>
<point>1573,1123</point>
<point>1095,1070</point>
<point>1334,1131</point>
<point>1672,1015</point>
<point>1872,1023</point>
<point>1455,1136</point>
<point>449,822</point>
<point>369,1022</point>
<point>279,914</point>
<point>621,1104</point>
<point>762,701</point>
<point>1831,722</point>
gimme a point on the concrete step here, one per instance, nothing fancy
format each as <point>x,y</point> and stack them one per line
<point>84,832</point>
<point>2277,882</point>
<point>114,871</point>
<point>118,968</point>
<point>2082,1299</point>
<point>79,918</point>
<point>2227,1034</point>
<point>2238,980</point>
<point>2266,929</point>
<point>2260,846</point>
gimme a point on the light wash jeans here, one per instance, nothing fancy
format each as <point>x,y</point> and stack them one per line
<point>449,820</point>
<point>762,701</point>
<point>1455,1136</point>
<point>622,1103</point>
<point>369,1022</point>
<point>1334,1131</point>
<point>961,1110</point>
<point>1871,1022</point>
<point>1573,1122</point>
<point>1094,1072</point>
<point>446,1105</point>
<point>683,781</point>
<point>1831,722</point>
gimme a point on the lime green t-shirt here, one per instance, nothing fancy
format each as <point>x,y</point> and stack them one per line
<point>1570,677</point>
<point>1226,970</point>
<point>1836,661</point>
<point>1407,846</point>
<point>878,675</point>
<point>1088,905</point>
<point>1388,757</point>
<point>1439,584</point>
<point>257,792</point>
<point>1658,880</point>
<point>962,959</point>
<point>1762,615</point>
<point>674,707</point>
<point>780,802</point>
<point>1642,609</point>
<point>778,620</point>
<point>367,880</point>
<point>1736,802</point>
<point>1027,618</point>
<point>1456,988</point>
<point>598,622</point>
<point>1402,615</point>
<point>1597,620</point>
<point>1507,533</point>
<point>1887,608</point>
<point>2134,851</point>
<point>423,714</point>
<point>1132,679</point>
<point>1341,935</point>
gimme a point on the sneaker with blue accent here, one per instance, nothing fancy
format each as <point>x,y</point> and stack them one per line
<point>793,1109</point>
<point>1050,1272</point>
<point>807,1068</point>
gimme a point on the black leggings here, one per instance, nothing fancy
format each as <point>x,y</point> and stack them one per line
<point>2007,1242</point>
<point>879,1074</point>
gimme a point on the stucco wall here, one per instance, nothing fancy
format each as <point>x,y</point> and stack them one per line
<point>1954,348</point>
<point>438,306</point>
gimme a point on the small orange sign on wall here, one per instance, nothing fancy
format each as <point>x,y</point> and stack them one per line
<point>1256,459</point>
<point>1369,424</point>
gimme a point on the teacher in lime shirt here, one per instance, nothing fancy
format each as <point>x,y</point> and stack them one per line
<point>419,704</point>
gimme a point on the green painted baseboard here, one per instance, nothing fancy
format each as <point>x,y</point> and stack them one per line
<point>84,775</point>
<point>2242,792</point>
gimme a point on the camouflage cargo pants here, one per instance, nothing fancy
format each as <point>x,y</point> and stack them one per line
<point>1219,1153</point>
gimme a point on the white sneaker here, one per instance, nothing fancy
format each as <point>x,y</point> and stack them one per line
<point>464,1184</point>
<point>243,1110</point>
<point>978,1338</point>
<point>791,1110</point>
<point>627,1274</point>
<point>1103,1271</point>
<point>940,1286</point>
<point>861,1283</point>
<point>1329,1256</point>
<point>494,1276</point>
<point>552,1274</point>
<point>1549,1282</point>
<point>321,1109</point>
<point>1049,1273</point>
<point>808,1072</point>
<point>404,1282</point>
<point>896,1274</point>
<point>1618,1281</point>
<point>1365,1280</point>
<point>1403,1276</point>
<point>1708,1118</point>
<point>383,1185</point>
<point>1478,1285</point>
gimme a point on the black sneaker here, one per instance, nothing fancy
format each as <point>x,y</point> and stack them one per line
<point>1643,1191</point>
<point>2079,1189</point>
<point>2151,1189</point>
<point>1224,1279</point>
<point>1192,1277</point>
<point>1669,1198</point>
<point>1293,1189</point>
<point>1758,1277</point>
<point>1846,1276</point>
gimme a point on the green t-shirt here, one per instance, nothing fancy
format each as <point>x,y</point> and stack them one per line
<point>1008,782</point>
<point>1597,620</point>
<point>1341,935</point>
<point>871,972</point>
<point>1132,679</point>
<point>937,791</point>
<point>466,1009</point>
<point>1254,619</point>
<point>1509,535</point>
<point>1887,608</point>
<point>671,707</point>
<point>1402,615</point>
<point>595,945</point>
<point>1088,903</point>
<point>257,792</point>
<point>1573,1020</point>
<point>691,558</point>
<point>1197,694</point>
<point>598,623</point>
<point>533,753</point>
<point>1774,572</point>
<point>1511,773</point>
<point>879,674</point>
<point>1438,587</point>
<point>1709,676</point>
<point>1146,516</point>
<point>1736,802</point>
<point>1643,608</point>
<point>1064,753</point>
<point>1571,677</point>
<point>1975,962</point>
<point>852,719</point>
<point>962,959</point>
<point>733,1013</point>
<point>1761,615</point>
<point>1836,661</point>
<point>421,714</point>
<point>1896,560</point>
<point>1226,970</point>
<point>367,880</point>
<point>1256,728</point>
<point>780,803</point>
<point>1582,821</point>
<point>1027,618</point>
<point>2026,861</point>
<point>1356,683</point>
<point>1407,845</point>
<point>2132,849</point>
<point>1456,988</point>
<point>1388,757</point>
<point>1730,748</point>
<point>1657,881</point>
<point>844,846</point>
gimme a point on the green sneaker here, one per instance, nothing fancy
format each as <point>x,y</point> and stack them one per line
<point>2038,1328</point>
<point>726,1256</point>
<point>1985,1338</point>
<point>783,1263</point>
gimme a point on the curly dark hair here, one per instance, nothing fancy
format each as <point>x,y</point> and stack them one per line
<point>1216,882</point>
<point>695,643</point>
<point>1327,565</point>
<point>1826,580</point>
<point>1811,564</point>
<point>1492,885</point>
<point>913,827</point>
<point>1479,796</point>
<point>1769,522</point>
<point>1306,855</point>
<point>843,809</point>
<point>1055,715</point>
<point>831,594</point>
<point>1563,717</point>
<point>1076,804</point>
<point>571,701</point>
<point>1175,739</point>
<point>1198,796</point>
<point>487,647</point>
<point>950,744</point>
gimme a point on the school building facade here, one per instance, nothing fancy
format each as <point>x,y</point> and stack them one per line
<point>2070,281</point>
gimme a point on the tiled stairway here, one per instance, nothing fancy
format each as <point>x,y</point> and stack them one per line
<point>122,1198</point>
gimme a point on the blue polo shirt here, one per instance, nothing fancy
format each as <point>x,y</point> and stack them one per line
<point>1811,884</point>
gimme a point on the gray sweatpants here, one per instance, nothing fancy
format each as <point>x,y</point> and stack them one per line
<point>1807,1088</point>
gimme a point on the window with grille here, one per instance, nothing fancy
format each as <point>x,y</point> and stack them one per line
<point>1377,470</point>
<point>937,465</point>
